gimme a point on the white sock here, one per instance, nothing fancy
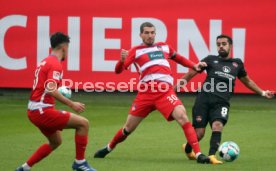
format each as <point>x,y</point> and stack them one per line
<point>26,167</point>
<point>80,161</point>
<point>197,154</point>
<point>108,148</point>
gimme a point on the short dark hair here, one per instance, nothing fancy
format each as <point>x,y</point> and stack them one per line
<point>59,38</point>
<point>145,24</point>
<point>230,41</point>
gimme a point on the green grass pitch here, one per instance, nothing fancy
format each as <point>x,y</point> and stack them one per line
<point>154,146</point>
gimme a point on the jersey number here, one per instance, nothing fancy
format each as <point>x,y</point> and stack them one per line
<point>172,98</point>
<point>224,111</point>
<point>36,77</point>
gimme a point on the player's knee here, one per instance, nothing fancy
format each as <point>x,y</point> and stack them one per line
<point>179,114</point>
<point>128,128</point>
<point>85,123</point>
<point>217,125</point>
<point>181,118</point>
<point>180,109</point>
<point>55,144</point>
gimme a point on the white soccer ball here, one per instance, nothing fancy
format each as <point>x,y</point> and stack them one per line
<point>229,151</point>
<point>65,91</point>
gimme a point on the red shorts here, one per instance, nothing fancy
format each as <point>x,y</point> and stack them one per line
<point>146,102</point>
<point>50,120</point>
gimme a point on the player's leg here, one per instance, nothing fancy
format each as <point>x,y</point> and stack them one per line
<point>217,127</point>
<point>141,107</point>
<point>43,151</point>
<point>130,125</point>
<point>81,125</point>
<point>53,136</point>
<point>179,114</point>
<point>215,140</point>
<point>172,108</point>
<point>200,121</point>
<point>217,118</point>
<point>187,148</point>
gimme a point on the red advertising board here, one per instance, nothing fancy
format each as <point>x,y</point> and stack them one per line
<point>99,29</point>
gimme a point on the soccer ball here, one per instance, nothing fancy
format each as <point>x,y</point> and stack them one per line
<point>65,91</point>
<point>229,151</point>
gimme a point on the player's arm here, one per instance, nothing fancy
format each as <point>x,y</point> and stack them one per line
<point>188,76</point>
<point>254,87</point>
<point>124,61</point>
<point>192,73</point>
<point>185,79</point>
<point>187,63</point>
<point>120,64</point>
<point>51,88</point>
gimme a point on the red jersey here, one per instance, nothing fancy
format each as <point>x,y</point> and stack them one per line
<point>49,70</point>
<point>152,62</point>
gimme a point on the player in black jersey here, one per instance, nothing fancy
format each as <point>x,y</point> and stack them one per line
<point>212,102</point>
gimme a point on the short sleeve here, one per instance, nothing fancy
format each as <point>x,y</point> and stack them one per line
<point>241,72</point>
<point>55,73</point>
<point>206,59</point>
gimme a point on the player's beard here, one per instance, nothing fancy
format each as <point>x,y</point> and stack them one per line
<point>223,53</point>
<point>149,42</point>
<point>63,55</point>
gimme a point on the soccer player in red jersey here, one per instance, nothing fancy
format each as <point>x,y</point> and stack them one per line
<point>42,112</point>
<point>156,81</point>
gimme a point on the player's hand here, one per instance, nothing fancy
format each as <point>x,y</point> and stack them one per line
<point>78,107</point>
<point>268,94</point>
<point>124,54</point>
<point>199,66</point>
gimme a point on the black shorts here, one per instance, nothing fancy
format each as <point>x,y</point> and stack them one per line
<point>208,108</point>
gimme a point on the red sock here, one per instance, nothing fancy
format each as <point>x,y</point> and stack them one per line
<point>43,151</point>
<point>191,136</point>
<point>81,143</point>
<point>119,137</point>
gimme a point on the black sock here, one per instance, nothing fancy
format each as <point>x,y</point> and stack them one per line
<point>188,148</point>
<point>214,142</point>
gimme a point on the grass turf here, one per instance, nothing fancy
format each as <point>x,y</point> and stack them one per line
<point>154,146</point>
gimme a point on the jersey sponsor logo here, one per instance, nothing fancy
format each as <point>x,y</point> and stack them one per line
<point>225,75</point>
<point>215,61</point>
<point>235,64</point>
<point>198,118</point>
<point>226,69</point>
<point>156,55</point>
<point>56,75</point>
